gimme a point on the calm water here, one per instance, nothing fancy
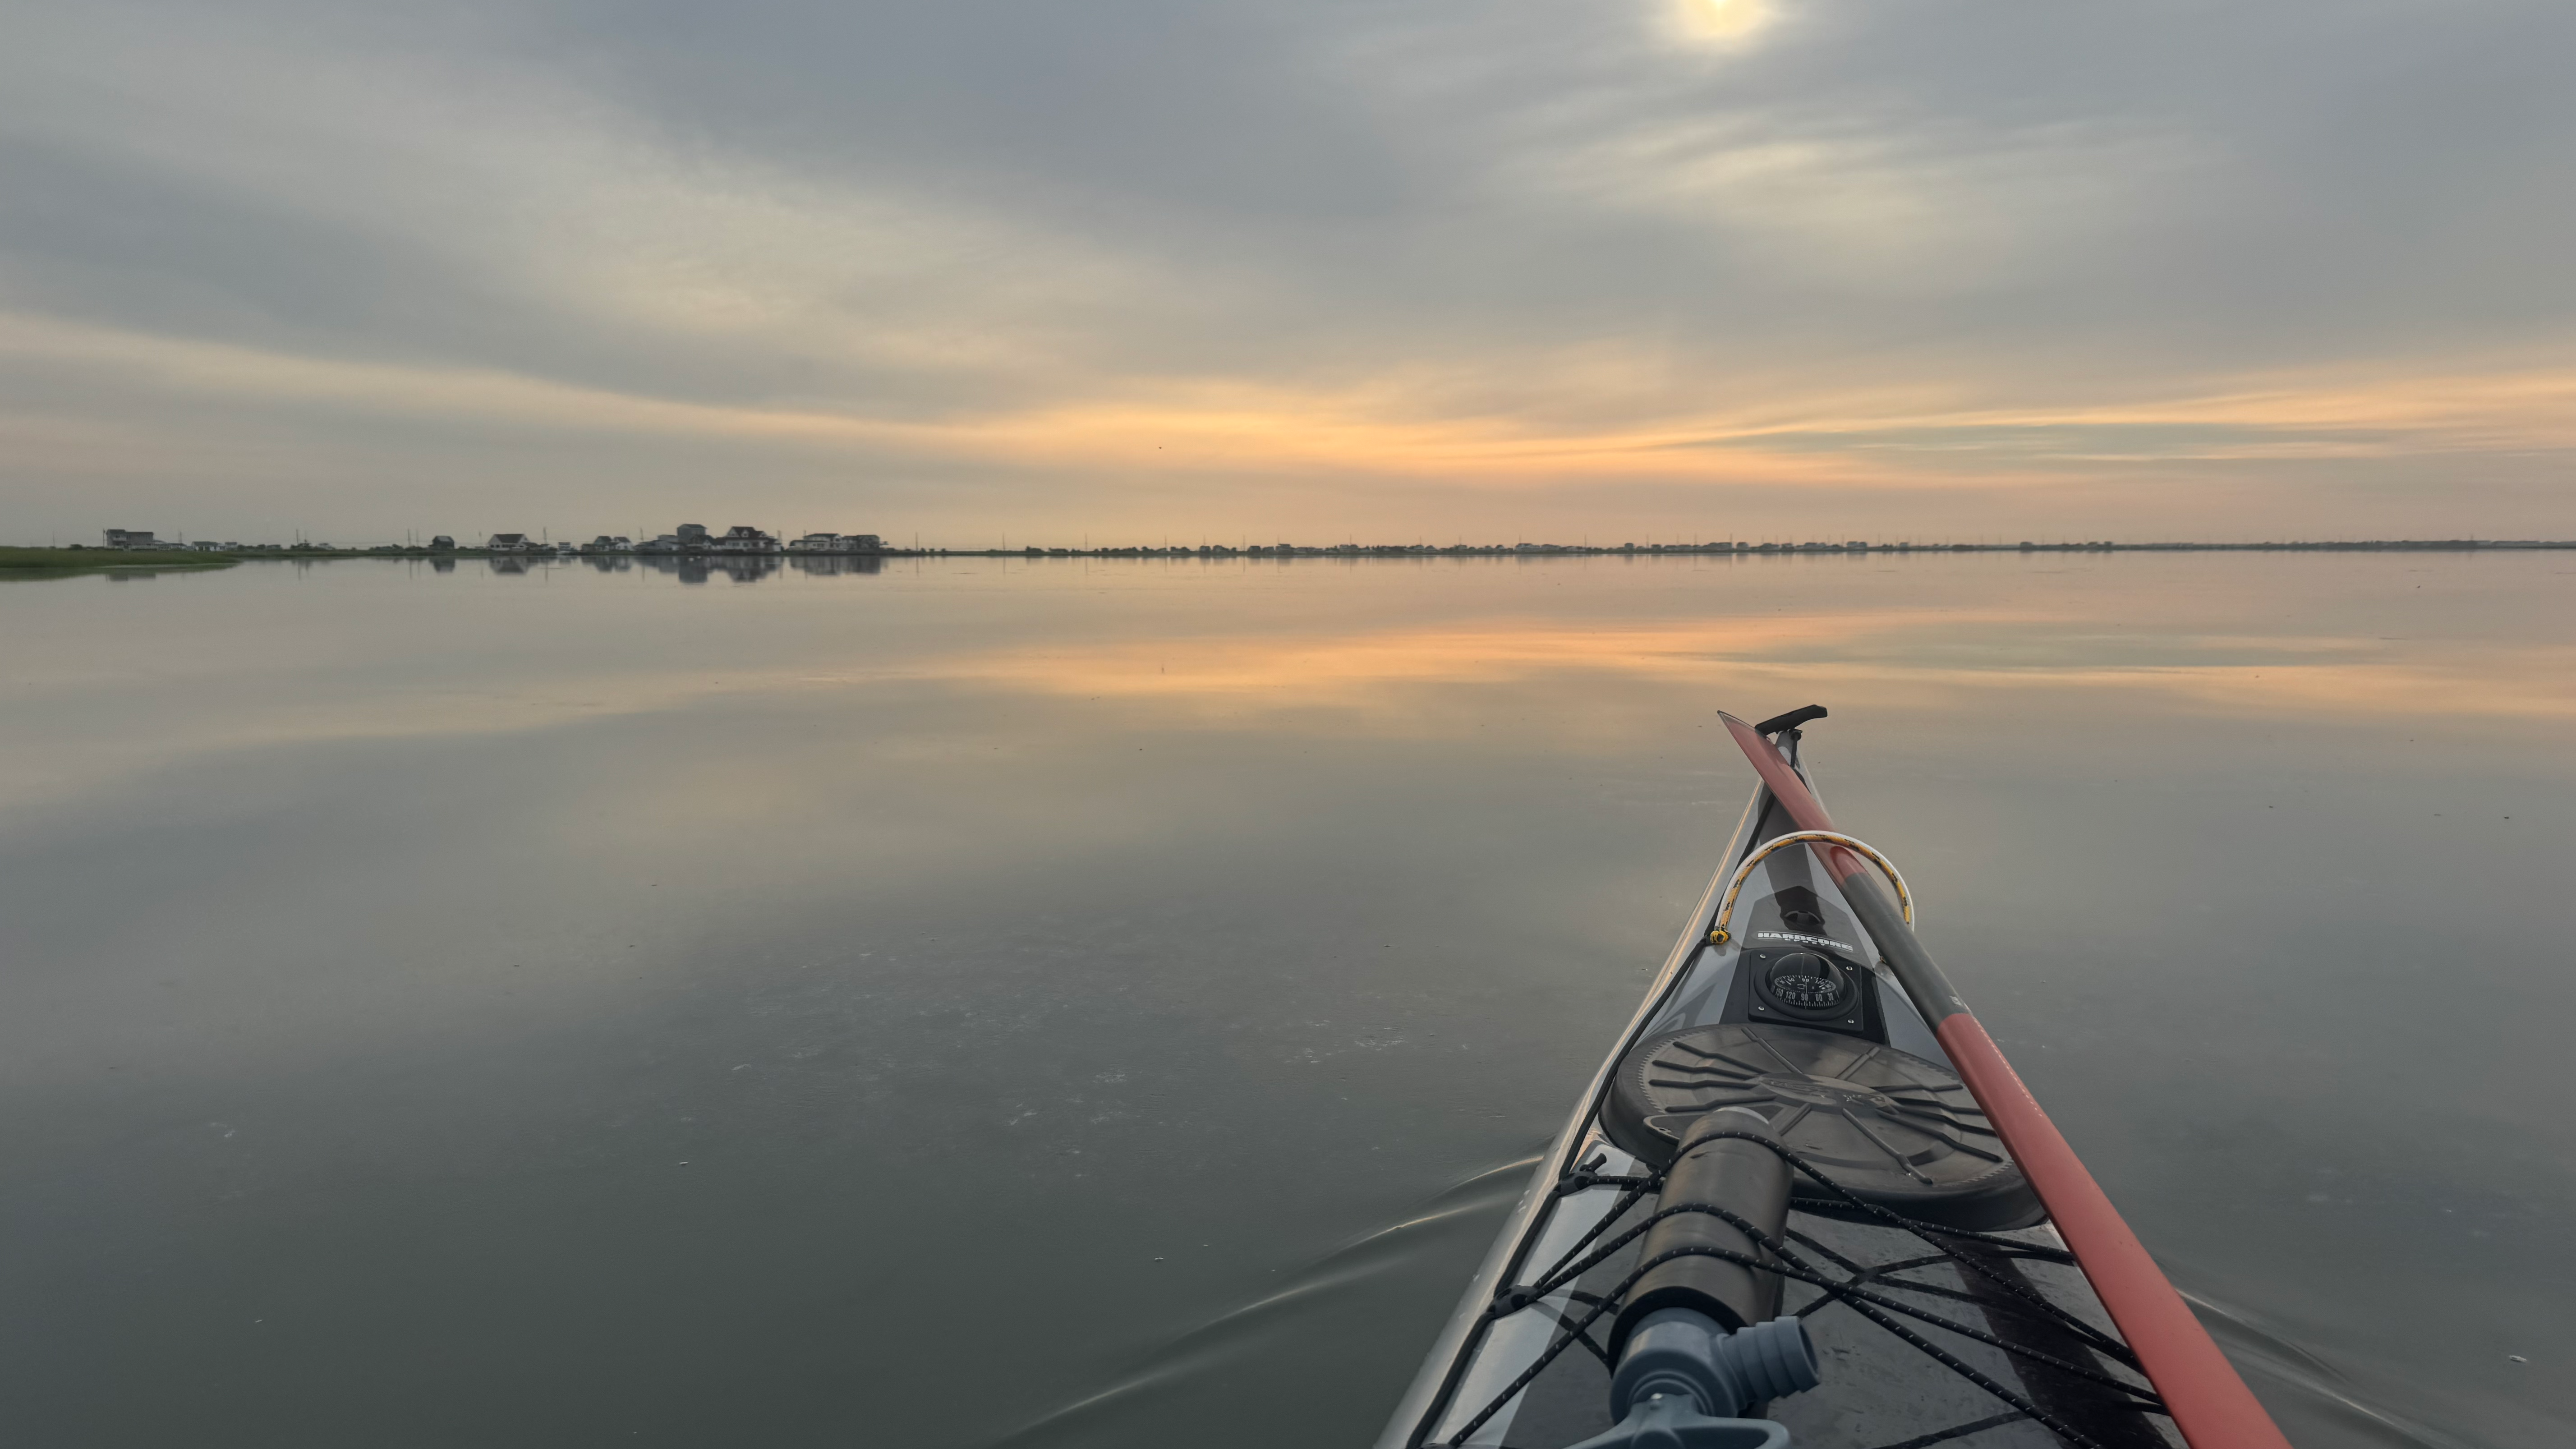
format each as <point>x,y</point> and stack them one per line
<point>1112,1005</point>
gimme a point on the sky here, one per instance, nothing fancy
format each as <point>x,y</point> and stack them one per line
<point>997,271</point>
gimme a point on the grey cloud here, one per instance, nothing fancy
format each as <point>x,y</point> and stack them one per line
<point>2282,183</point>
<point>916,210</point>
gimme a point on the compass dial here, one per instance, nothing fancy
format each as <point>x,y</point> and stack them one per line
<point>1805,979</point>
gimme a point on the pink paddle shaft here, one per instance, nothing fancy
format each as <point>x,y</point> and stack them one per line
<point>2209,1402</point>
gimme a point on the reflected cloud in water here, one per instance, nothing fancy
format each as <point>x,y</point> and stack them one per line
<point>386,937</point>
<point>2214,647</point>
<point>1591,655</point>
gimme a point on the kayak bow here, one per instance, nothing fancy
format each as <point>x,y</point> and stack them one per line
<point>1805,1166</point>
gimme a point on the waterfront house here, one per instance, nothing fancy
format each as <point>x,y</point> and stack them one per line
<point>508,543</point>
<point>744,539</point>
<point>837,543</point>
<point>128,538</point>
<point>441,543</point>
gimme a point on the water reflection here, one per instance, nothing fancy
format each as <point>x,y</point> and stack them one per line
<point>699,568</point>
<point>484,1012</point>
<point>693,568</point>
<point>831,564</point>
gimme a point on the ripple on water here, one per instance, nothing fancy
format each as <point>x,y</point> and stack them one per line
<point>1353,1319</point>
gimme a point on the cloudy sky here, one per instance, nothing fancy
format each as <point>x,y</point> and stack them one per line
<point>1213,269</point>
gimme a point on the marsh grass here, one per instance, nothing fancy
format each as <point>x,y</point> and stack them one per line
<point>45,563</point>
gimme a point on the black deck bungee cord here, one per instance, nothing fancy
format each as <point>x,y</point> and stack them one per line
<point>1789,1265</point>
<point>1932,1233</point>
<point>1848,1290</point>
<point>1634,1190</point>
<point>1881,1272</point>
<point>1566,1340</point>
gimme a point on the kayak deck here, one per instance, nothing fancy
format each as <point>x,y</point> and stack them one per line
<point>1526,1361</point>
<point>1878,1391</point>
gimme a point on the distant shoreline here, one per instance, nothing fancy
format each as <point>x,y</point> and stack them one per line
<point>1731,549</point>
<point>84,559</point>
<point>35,562</point>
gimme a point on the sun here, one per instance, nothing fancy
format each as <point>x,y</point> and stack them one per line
<point>1726,22</point>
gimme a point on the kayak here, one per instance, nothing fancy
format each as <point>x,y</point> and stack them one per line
<point>1805,1200</point>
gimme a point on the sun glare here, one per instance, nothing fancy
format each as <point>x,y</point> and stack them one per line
<point>1723,22</point>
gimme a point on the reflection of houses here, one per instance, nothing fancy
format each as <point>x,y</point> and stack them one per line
<point>689,540</point>
<point>836,563</point>
<point>695,541</point>
<point>698,568</point>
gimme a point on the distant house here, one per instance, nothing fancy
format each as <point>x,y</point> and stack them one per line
<point>128,538</point>
<point>693,533</point>
<point>508,543</point>
<point>665,543</point>
<point>743,539</point>
<point>837,543</point>
<point>442,543</point>
<point>608,543</point>
<point>207,546</point>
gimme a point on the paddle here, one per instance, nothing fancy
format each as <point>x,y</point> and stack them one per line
<point>2209,1402</point>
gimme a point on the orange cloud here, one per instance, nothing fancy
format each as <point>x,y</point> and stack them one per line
<point>1448,426</point>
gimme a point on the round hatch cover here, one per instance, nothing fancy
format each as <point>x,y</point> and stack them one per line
<point>1892,1128</point>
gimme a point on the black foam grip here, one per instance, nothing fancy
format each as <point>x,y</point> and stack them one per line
<point>1791,720</point>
